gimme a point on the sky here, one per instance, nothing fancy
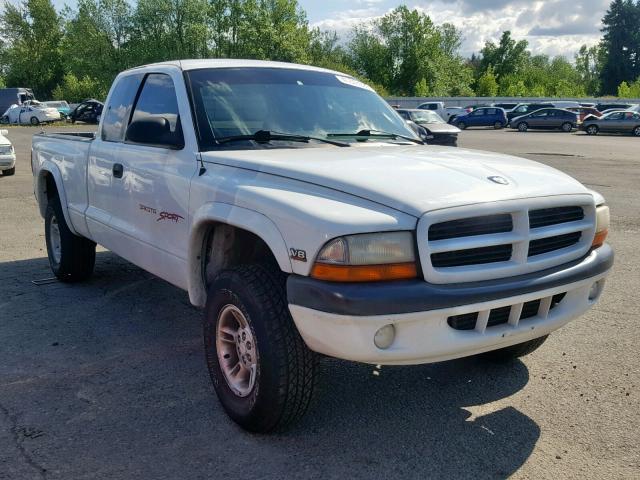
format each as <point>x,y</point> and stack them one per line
<point>552,27</point>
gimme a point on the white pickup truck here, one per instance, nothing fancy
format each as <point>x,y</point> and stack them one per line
<point>299,210</point>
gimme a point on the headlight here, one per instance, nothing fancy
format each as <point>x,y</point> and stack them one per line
<point>603,220</point>
<point>370,257</point>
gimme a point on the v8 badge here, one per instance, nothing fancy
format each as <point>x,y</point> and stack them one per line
<point>299,255</point>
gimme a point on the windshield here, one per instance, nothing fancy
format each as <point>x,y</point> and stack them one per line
<point>426,116</point>
<point>242,101</point>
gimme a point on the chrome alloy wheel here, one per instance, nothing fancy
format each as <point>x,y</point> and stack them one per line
<point>55,239</point>
<point>237,353</point>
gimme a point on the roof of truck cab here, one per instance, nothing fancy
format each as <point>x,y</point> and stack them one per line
<point>197,64</point>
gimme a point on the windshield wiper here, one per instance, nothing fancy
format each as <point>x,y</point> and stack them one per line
<point>366,134</point>
<point>265,136</point>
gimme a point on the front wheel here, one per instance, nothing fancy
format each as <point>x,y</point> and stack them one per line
<point>71,257</point>
<point>523,127</point>
<point>636,132</point>
<point>592,130</point>
<point>35,121</point>
<point>567,127</point>
<point>461,125</point>
<point>261,369</point>
<point>509,354</point>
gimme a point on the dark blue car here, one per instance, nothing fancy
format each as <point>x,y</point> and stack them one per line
<point>483,117</point>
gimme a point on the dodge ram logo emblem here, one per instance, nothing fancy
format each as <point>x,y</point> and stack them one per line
<point>499,180</point>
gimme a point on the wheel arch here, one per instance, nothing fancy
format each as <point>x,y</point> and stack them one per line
<point>233,228</point>
<point>48,185</point>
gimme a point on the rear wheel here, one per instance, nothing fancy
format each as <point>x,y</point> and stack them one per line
<point>261,369</point>
<point>523,127</point>
<point>636,131</point>
<point>515,351</point>
<point>592,130</point>
<point>567,127</point>
<point>498,125</point>
<point>71,257</point>
<point>35,121</point>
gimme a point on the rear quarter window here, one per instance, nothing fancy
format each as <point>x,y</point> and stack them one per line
<point>117,112</point>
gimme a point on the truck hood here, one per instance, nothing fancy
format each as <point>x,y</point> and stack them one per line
<point>411,179</point>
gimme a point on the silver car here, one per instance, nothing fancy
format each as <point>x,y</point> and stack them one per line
<point>614,122</point>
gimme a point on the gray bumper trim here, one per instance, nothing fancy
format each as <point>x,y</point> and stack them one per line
<point>387,298</point>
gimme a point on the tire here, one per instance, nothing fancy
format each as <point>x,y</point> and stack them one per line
<point>523,127</point>
<point>636,131</point>
<point>461,125</point>
<point>498,125</point>
<point>4,120</point>
<point>8,172</point>
<point>567,127</point>
<point>509,354</point>
<point>34,121</point>
<point>72,258</point>
<point>592,130</point>
<point>285,369</point>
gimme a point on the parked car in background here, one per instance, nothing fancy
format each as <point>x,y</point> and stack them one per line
<point>88,111</point>
<point>14,96</point>
<point>566,104</point>
<point>61,105</point>
<point>615,122</point>
<point>483,117</point>
<point>506,106</point>
<point>448,114</point>
<point>435,130</point>
<point>525,108</point>
<point>603,107</point>
<point>7,155</point>
<point>584,112</point>
<point>546,119</point>
<point>30,114</point>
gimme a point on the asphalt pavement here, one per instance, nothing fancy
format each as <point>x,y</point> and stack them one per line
<point>107,379</point>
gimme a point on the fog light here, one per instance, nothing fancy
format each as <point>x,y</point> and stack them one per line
<point>385,337</point>
<point>596,290</point>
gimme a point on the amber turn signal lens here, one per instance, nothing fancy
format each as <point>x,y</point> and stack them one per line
<point>599,239</point>
<point>364,273</point>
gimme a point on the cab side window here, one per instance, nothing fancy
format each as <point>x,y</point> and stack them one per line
<point>158,100</point>
<point>119,108</point>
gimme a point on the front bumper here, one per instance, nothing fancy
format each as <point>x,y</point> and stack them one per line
<point>341,320</point>
<point>7,161</point>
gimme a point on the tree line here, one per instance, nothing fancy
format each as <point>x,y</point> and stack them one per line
<point>75,53</point>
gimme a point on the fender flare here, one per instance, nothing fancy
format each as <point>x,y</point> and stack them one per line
<point>224,213</point>
<point>41,191</point>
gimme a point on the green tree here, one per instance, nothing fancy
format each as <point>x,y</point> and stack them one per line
<point>588,66</point>
<point>74,90</point>
<point>96,39</point>
<point>403,47</point>
<point>632,90</point>
<point>33,32</point>
<point>620,44</point>
<point>487,85</point>
<point>508,57</point>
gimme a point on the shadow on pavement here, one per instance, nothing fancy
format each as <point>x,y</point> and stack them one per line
<point>107,379</point>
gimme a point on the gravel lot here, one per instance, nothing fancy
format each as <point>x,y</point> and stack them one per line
<point>107,379</point>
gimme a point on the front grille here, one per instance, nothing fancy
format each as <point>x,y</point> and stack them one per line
<point>500,315</point>
<point>545,217</point>
<point>516,238</point>
<point>467,227</point>
<point>472,256</point>
<point>549,244</point>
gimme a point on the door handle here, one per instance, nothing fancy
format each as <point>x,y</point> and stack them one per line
<point>118,169</point>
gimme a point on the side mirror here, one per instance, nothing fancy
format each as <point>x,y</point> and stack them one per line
<point>155,131</point>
